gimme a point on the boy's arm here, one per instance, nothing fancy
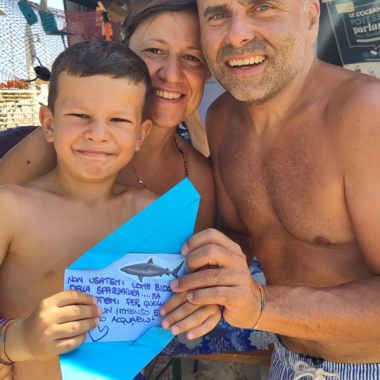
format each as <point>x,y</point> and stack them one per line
<point>32,158</point>
<point>59,323</point>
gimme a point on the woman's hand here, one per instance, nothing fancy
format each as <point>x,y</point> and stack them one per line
<point>183,316</point>
<point>58,325</point>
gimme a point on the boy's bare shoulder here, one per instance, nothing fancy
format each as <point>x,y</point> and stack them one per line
<point>12,195</point>
<point>13,199</point>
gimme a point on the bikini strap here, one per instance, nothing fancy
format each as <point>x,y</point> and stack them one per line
<point>183,156</point>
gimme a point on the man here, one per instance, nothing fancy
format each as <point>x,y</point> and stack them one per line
<point>295,150</point>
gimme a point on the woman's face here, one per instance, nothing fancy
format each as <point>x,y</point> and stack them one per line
<point>170,46</point>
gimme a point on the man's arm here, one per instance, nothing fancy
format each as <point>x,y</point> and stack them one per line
<point>32,158</point>
<point>345,313</point>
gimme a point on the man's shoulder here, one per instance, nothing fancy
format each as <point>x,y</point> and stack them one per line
<point>347,90</point>
<point>220,110</point>
<point>356,102</point>
<point>352,113</point>
<point>223,112</point>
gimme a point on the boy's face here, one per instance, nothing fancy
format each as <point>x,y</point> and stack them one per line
<point>96,126</point>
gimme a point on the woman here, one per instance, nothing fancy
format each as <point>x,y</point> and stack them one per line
<point>165,33</point>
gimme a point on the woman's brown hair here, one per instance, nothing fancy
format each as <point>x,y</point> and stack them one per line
<point>141,10</point>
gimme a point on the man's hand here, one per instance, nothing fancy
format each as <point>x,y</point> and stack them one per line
<point>228,282</point>
<point>58,325</point>
<point>198,320</point>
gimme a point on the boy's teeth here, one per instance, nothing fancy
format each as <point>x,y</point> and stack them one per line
<point>167,95</point>
<point>247,61</point>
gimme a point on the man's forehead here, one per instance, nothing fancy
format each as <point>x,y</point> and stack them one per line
<point>226,4</point>
<point>229,3</point>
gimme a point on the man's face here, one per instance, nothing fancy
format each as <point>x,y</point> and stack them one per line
<point>254,48</point>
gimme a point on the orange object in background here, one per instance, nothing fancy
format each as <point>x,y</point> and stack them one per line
<point>107,30</point>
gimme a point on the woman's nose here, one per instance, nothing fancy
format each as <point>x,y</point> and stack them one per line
<point>172,71</point>
<point>240,31</point>
<point>97,132</point>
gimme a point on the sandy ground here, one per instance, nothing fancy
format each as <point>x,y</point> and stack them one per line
<point>208,370</point>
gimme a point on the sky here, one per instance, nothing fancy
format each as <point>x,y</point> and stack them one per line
<point>57,4</point>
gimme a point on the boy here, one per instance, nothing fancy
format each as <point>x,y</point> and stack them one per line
<point>96,117</point>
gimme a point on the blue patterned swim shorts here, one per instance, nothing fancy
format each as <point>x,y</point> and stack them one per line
<point>287,365</point>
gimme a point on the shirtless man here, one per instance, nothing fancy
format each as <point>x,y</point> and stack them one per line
<point>295,150</point>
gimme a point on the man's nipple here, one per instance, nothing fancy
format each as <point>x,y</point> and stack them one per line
<point>320,240</point>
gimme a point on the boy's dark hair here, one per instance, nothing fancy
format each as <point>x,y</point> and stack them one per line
<point>141,10</point>
<point>88,58</point>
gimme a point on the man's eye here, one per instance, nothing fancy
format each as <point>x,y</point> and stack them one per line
<point>263,8</point>
<point>218,16</point>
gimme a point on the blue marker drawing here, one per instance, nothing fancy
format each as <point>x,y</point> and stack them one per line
<point>150,269</point>
<point>98,333</point>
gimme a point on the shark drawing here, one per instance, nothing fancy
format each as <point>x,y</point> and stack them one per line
<point>149,269</point>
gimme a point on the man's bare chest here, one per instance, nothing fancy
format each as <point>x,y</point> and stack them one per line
<point>291,183</point>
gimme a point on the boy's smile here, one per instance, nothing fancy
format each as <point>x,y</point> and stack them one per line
<point>96,124</point>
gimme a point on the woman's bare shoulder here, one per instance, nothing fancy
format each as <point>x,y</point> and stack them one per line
<point>198,164</point>
<point>201,176</point>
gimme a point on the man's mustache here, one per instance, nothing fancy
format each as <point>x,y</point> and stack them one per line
<point>254,47</point>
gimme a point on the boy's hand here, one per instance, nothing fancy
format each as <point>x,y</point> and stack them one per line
<point>57,326</point>
<point>198,320</point>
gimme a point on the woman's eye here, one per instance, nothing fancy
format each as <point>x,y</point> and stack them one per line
<point>154,51</point>
<point>192,58</point>
<point>118,120</point>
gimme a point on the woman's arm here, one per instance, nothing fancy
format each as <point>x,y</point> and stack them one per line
<point>32,158</point>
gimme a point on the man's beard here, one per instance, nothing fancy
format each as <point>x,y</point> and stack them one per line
<point>282,65</point>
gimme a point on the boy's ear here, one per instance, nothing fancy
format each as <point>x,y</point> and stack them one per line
<point>46,120</point>
<point>145,128</point>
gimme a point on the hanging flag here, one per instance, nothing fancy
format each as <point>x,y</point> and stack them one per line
<point>28,12</point>
<point>48,21</point>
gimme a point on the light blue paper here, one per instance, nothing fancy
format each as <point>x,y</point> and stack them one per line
<point>130,303</point>
<point>162,227</point>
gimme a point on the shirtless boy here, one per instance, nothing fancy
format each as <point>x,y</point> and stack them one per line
<point>295,150</point>
<point>96,118</point>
